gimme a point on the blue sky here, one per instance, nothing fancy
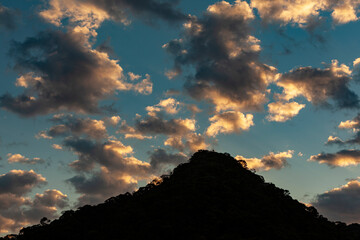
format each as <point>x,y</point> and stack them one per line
<point>88,110</point>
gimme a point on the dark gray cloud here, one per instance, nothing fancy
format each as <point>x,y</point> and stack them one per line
<point>119,170</point>
<point>342,158</point>
<point>19,211</point>
<point>354,140</point>
<point>112,154</point>
<point>59,66</point>
<point>340,204</point>
<point>161,160</point>
<point>144,9</point>
<point>12,217</point>
<point>7,18</point>
<point>91,13</point>
<point>319,86</point>
<point>46,205</point>
<point>158,125</point>
<point>99,186</point>
<point>225,57</point>
<point>20,182</point>
<point>69,125</point>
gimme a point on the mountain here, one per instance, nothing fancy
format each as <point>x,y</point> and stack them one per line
<point>213,196</point>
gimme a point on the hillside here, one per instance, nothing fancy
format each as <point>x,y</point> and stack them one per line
<point>213,196</point>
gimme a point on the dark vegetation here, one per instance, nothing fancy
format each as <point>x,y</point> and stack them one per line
<point>213,196</point>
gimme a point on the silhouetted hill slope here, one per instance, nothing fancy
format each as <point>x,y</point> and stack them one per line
<point>213,196</point>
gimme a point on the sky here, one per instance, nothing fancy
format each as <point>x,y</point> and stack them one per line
<point>97,98</point>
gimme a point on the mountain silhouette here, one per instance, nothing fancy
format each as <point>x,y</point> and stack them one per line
<point>213,196</point>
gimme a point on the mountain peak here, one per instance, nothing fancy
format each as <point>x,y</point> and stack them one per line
<point>213,196</point>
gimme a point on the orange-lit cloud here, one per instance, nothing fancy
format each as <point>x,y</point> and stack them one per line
<point>112,121</point>
<point>285,11</point>
<point>169,105</point>
<point>303,12</point>
<point>18,158</point>
<point>342,158</point>
<point>334,140</point>
<point>282,112</point>
<point>319,86</point>
<point>229,122</point>
<point>268,162</point>
<point>57,146</point>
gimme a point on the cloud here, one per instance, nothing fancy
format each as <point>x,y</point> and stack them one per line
<point>285,11</point>
<point>19,211</point>
<point>193,109</point>
<point>7,18</point>
<point>119,170</point>
<point>169,106</point>
<point>112,121</point>
<point>131,132</point>
<point>305,12</point>
<point>112,154</point>
<point>20,182</point>
<point>344,11</point>
<point>60,65</point>
<point>91,13</point>
<point>155,123</point>
<point>342,158</point>
<point>354,125</point>
<point>340,204</point>
<point>73,126</point>
<point>46,205</point>
<point>225,57</point>
<point>268,162</point>
<point>351,124</point>
<point>100,186</point>
<point>18,158</point>
<point>334,140</point>
<point>109,168</point>
<point>282,112</point>
<point>318,86</point>
<point>229,122</point>
<point>144,87</point>
<point>158,125</point>
<point>191,142</point>
<point>162,161</point>
<point>57,146</point>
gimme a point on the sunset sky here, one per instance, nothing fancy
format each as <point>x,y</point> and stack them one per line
<point>98,97</point>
